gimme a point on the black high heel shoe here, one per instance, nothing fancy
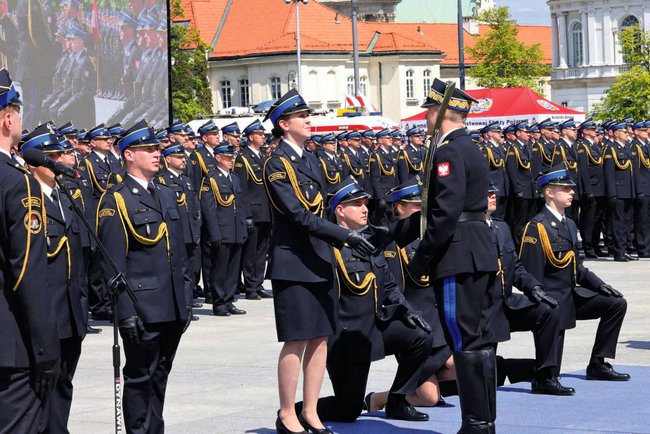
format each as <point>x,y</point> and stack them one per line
<point>281,429</point>
<point>311,429</point>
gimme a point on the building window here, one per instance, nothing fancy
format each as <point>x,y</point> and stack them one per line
<point>426,82</point>
<point>629,21</point>
<point>363,85</point>
<point>351,85</point>
<point>226,95</point>
<point>577,44</point>
<point>276,91</point>
<point>244,92</point>
<point>410,91</point>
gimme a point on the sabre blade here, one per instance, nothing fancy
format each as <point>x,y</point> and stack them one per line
<point>428,158</point>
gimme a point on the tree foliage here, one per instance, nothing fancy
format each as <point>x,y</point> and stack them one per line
<point>191,93</point>
<point>630,93</point>
<point>503,60</point>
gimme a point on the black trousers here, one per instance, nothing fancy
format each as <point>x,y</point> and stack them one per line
<point>254,254</point>
<point>544,322</point>
<point>592,215</point>
<point>620,224</point>
<point>20,411</point>
<point>60,401</point>
<point>98,294</point>
<point>224,273</point>
<point>348,364</point>
<point>642,224</point>
<point>206,262</point>
<point>611,312</point>
<point>520,211</point>
<point>147,368</point>
<point>193,252</point>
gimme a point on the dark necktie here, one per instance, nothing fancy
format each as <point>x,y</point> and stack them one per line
<point>152,190</point>
<point>55,199</point>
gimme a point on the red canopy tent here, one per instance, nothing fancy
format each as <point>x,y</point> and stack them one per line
<point>506,106</point>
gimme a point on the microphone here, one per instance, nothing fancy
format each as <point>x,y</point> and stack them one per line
<point>36,158</point>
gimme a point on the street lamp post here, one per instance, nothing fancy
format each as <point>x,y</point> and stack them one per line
<point>355,47</point>
<point>461,51</point>
<point>298,60</point>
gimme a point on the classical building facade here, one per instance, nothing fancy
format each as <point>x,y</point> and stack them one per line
<point>586,54</point>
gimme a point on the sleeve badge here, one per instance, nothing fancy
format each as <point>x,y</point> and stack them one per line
<point>443,170</point>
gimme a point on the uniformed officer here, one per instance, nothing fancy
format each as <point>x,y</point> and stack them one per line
<point>621,191</point>
<point>300,264</point>
<point>534,310</point>
<point>375,320</point>
<point>232,134</point>
<point>410,160</point>
<point>334,169</point>
<point>353,159</point>
<point>342,142</point>
<point>227,217</point>
<point>383,177</point>
<point>438,370</point>
<point>549,252</point>
<point>29,359</point>
<point>543,148</point>
<point>249,166</point>
<point>592,178</point>
<point>187,199</point>
<point>209,133</point>
<point>495,155</point>
<point>522,188</point>
<point>65,271</point>
<point>458,254</point>
<point>641,161</point>
<point>140,226</point>
<point>566,152</point>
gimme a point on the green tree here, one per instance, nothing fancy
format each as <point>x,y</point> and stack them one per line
<point>501,59</point>
<point>191,94</point>
<point>630,93</point>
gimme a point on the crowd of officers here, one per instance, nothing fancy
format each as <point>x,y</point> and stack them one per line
<point>194,206</point>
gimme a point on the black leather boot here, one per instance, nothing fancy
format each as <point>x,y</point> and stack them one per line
<point>476,378</point>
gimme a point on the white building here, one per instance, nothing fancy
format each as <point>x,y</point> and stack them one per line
<point>586,54</point>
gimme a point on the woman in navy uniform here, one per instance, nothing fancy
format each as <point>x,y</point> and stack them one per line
<point>301,261</point>
<point>439,366</point>
<point>65,270</point>
<point>140,226</point>
<point>549,251</point>
<point>375,320</point>
<point>29,360</point>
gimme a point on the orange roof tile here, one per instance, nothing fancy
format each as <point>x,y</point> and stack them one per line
<point>269,28</point>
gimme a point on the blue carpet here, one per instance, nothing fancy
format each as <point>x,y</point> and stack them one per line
<point>597,407</point>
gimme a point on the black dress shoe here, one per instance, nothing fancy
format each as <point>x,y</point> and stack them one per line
<point>221,311</point>
<point>232,309</point>
<point>605,372</point>
<point>402,410</point>
<point>621,258</point>
<point>602,254</point>
<point>630,257</point>
<point>263,293</point>
<point>366,401</point>
<point>311,429</point>
<point>550,386</point>
<point>92,330</point>
<point>208,299</point>
<point>644,255</point>
<point>253,296</point>
<point>196,305</point>
<point>195,318</point>
<point>281,429</point>
<point>591,255</point>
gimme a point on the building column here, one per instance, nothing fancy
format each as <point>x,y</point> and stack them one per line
<point>608,38</point>
<point>594,55</point>
<point>585,41</point>
<point>556,56</point>
<point>562,39</point>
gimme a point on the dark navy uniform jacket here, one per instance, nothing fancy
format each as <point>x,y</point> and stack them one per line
<point>65,268</point>
<point>383,173</point>
<point>300,249</point>
<point>224,208</point>
<point>619,171</point>
<point>496,158</point>
<point>542,156</point>
<point>250,170</point>
<point>519,166</point>
<point>27,319</point>
<point>356,167</point>
<point>156,271</point>
<point>567,154</point>
<point>641,160</point>
<point>334,169</point>
<point>363,309</point>
<point>558,279</point>
<point>590,168</point>
<point>459,185</point>
<point>410,162</point>
<point>187,199</point>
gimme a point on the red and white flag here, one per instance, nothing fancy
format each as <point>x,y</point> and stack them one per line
<point>95,22</point>
<point>351,101</point>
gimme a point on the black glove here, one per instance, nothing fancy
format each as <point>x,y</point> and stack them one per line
<point>606,289</point>
<point>381,203</point>
<point>520,195</point>
<point>415,320</point>
<point>611,201</point>
<point>380,236</point>
<point>588,197</point>
<point>215,245</point>
<point>360,244</point>
<point>539,295</point>
<point>640,196</point>
<point>250,226</point>
<point>130,329</point>
<point>44,378</point>
<point>189,318</point>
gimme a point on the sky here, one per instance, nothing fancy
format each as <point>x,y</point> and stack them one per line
<point>532,12</point>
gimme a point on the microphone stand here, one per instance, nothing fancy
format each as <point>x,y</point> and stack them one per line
<point>116,285</point>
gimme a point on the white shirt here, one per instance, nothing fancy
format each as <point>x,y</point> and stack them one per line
<point>255,151</point>
<point>7,153</point>
<point>144,184</point>
<point>556,214</point>
<point>47,191</point>
<point>175,173</point>
<point>101,156</point>
<point>296,148</point>
<point>444,136</point>
<point>226,173</point>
